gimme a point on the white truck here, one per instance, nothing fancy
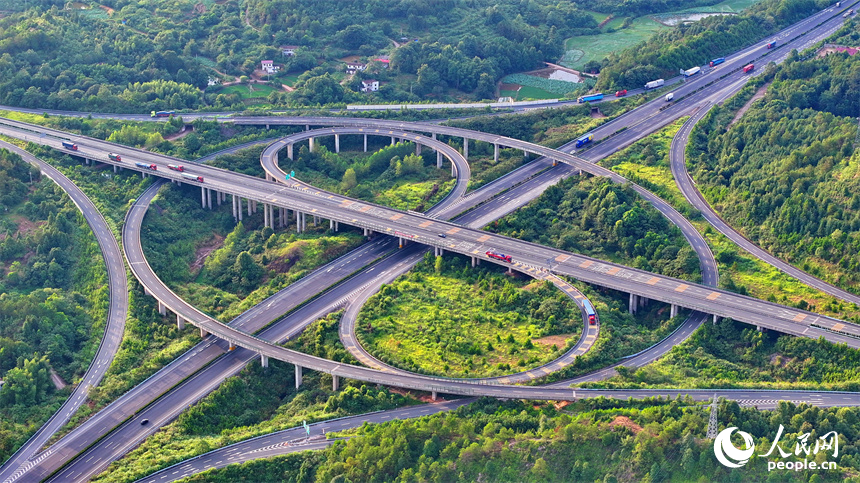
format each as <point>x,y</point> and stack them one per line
<point>655,84</point>
<point>670,96</point>
<point>689,72</point>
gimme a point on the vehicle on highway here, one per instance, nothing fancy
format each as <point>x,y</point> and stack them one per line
<point>442,235</point>
<point>655,84</point>
<point>193,177</point>
<point>144,422</point>
<point>68,145</point>
<point>590,97</point>
<point>749,68</point>
<point>176,167</point>
<point>848,13</point>
<point>717,61</point>
<point>499,256</point>
<point>162,113</point>
<point>771,44</point>
<point>691,72</point>
<point>670,96</point>
<point>146,166</point>
<point>114,157</point>
<point>590,312</point>
<point>584,139</point>
<point>621,93</point>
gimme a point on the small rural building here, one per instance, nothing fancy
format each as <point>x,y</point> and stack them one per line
<point>369,85</point>
<point>289,50</point>
<point>269,67</point>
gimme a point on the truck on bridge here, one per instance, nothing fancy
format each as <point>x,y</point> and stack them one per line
<point>193,177</point>
<point>499,256</point>
<point>162,113</point>
<point>114,157</point>
<point>146,166</point>
<point>590,312</point>
<point>68,145</point>
<point>176,167</point>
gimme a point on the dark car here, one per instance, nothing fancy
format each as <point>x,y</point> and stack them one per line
<point>442,235</point>
<point>144,422</point>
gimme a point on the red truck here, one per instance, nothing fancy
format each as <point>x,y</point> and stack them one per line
<point>499,256</point>
<point>749,68</point>
<point>175,167</point>
<point>621,93</point>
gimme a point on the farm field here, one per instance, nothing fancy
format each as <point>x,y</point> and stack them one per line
<point>528,92</point>
<point>242,90</point>
<point>582,49</point>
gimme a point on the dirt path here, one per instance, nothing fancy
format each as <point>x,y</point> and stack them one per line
<point>58,381</point>
<point>186,130</point>
<point>758,95</point>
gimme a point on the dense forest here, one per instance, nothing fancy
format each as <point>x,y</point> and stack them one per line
<point>598,218</point>
<point>689,45</point>
<point>592,440</point>
<point>786,173</point>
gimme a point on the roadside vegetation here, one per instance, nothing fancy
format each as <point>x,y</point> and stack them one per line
<point>734,355</point>
<point>53,299</point>
<point>255,402</point>
<point>223,267</point>
<point>646,162</point>
<point>786,173</point>
<point>448,319</point>
<point>591,440</point>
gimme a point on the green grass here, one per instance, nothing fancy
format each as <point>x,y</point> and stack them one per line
<point>527,92</point>
<point>289,79</point>
<point>727,6</point>
<point>260,90</point>
<point>585,48</point>
<point>736,267</point>
<point>475,325</point>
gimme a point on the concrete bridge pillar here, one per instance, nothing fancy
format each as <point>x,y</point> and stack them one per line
<point>331,225</point>
<point>233,197</point>
<point>311,144</point>
<point>554,162</point>
<point>759,328</point>
<point>304,222</point>
<point>510,269</point>
<point>632,305</point>
<point>115,168</point>
<point>673,312</point>
<point>418,149</point>
<point>453,169</point>
<point>642,301</point>
<point>202,197</point>
<point>716,318</point>
<point>254,203</point>
<point>250,206</point>
<point>496,153</point>
<point>335,382</point>
<point>231,346</point>
<point>433,395</point>
<point>401,241</point>
<point>180,322</point>
<point>466,148</point>
<point>283,217</point>
<point>307,127</point>
<point>239,206</point>
<point>392,140</point>
<point>525,154</point>
<point>298,222</point>
<point>290,150</point>
<point>264,360</point>
<point>316,220</point>
<point>265,214</point>
<point>203,333</point>
<point>162,309</point>
<point>298,376</point>
<point>209,198</point>
<point>438,160</point>
<point>365,143</point>
<point>218,196</point>
<point>434,136</point>
<point>337,143</point>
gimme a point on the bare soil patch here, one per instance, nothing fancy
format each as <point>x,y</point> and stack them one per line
<point>186,130</point>
<point>107,9</point>
<point>25,226</point>
<point>204,251</point>
<point>627,423</point>
<point>559,340</point>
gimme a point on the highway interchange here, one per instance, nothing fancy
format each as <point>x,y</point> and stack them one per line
<point>764,397</point>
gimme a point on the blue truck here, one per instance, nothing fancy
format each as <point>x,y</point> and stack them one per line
<point>68,145</point>
<point>584,139</point>
<point>590,97</point>
<point>717,61</point>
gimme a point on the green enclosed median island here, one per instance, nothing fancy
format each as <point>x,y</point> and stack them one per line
<point>448,319</point>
